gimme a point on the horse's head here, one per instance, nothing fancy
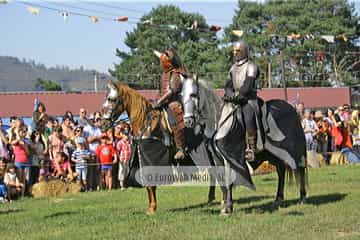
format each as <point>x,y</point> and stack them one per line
<point>114,104</point>
<point>190,100</point>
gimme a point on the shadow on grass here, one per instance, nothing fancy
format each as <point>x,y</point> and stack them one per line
<point>59,214</point>
<point>196,206</point>
<point>8,211</point>
<point>202,205</point>
<point>314,200</point>
<point>295,213</point>
<point>243,200</point>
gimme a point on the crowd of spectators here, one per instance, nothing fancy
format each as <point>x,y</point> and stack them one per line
<point>82,150</point>
<point>331,130</point>
<point>69,150</point>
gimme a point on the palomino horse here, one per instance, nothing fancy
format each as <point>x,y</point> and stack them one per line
<point>148,125</point>
<point>281,150</point>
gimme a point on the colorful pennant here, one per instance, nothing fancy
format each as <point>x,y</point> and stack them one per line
<point>95,19</point>
<point>33,10</point>
<point>122,19</point>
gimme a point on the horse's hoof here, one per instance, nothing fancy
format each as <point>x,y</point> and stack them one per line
<point>150,211</point>
<point>226,212</point>
<point>303,200</point>
<point>210,201</point>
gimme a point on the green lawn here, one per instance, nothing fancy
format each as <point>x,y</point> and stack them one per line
<point>332,212</point>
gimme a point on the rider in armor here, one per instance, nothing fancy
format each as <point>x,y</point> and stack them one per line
<point>170,87</point>
<point>241,90</point>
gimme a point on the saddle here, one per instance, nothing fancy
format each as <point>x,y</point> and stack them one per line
<point>266,125</point>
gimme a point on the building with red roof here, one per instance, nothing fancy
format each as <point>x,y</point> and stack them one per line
<point>57,103</point>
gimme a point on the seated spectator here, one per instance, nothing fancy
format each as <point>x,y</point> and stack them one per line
<point>3,189</point>
<point>356,141</point>
<point>62,167</point>
<point>355,117</point>
<point>123,148</point>
<point>107,156</point>
<point>44,171</point>
<point>14,186</point>
<point>81,156</point>
<point>56,143</point>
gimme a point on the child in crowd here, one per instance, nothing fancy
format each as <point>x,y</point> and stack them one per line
<point>3,189</point>
<point>80,157</point>
<point>107,156</point>
<point>14,186</point>
<point>310,130</point>
<point>123,148</point>
<point>38,150</point>
<point>44,171</point>
<point>21,149</point>
<point>62,167</point>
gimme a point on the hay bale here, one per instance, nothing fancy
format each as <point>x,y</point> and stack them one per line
<point>312,159</point>
<point>337,158</point>
<point>54,188</point>
<point>265,168</point>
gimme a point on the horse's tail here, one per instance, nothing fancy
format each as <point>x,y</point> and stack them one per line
<point>296,175</point>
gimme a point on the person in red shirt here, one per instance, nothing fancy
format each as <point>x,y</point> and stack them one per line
<point>107,156</point>
<point>123,148</point>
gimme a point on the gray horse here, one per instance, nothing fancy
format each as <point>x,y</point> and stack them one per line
<point>283,138</point>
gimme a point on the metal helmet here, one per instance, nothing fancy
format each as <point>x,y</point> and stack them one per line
<point>241,50</point>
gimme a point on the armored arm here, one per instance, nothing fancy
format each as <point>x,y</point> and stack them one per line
<point>248,89</point>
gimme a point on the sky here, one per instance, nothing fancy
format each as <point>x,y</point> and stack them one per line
<point>48,39</point>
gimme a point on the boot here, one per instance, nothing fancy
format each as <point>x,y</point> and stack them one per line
<point>179,142</point>
<point>251,149</point>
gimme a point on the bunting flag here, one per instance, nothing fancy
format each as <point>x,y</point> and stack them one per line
<point>328,38</point>
<point>149,21</point>
<point>342,37</point>
<point>215,28</point>
<point>173,27</point>
<point>293,36</point>
<point>238,33</point>
<point>65,15</point>
<point>33,10</point>
<point>95,19</point>
<point>122,19</point>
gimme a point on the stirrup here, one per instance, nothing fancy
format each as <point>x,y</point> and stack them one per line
<point>179,155</point>
<point>249,155</point>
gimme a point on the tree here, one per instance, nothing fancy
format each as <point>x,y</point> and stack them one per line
<point>198,48</point>
<point>47,85</point>
<point>296,28</point>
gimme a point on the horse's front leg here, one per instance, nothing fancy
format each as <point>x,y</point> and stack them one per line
<point>280,169</point>
<point>228,205</point>
<point>151,190</point>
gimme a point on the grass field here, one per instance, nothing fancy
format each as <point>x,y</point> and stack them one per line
<point>332,212</point>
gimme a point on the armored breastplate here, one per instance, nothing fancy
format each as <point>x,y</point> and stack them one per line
<point>238,75</point>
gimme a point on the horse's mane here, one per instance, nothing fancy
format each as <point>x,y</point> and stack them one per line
<point>212,103</point>
<point>136,105</point>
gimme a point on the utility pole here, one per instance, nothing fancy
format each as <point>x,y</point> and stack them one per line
<point>95,82</point>
<point>269,75</point>
<point>283,74</point>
